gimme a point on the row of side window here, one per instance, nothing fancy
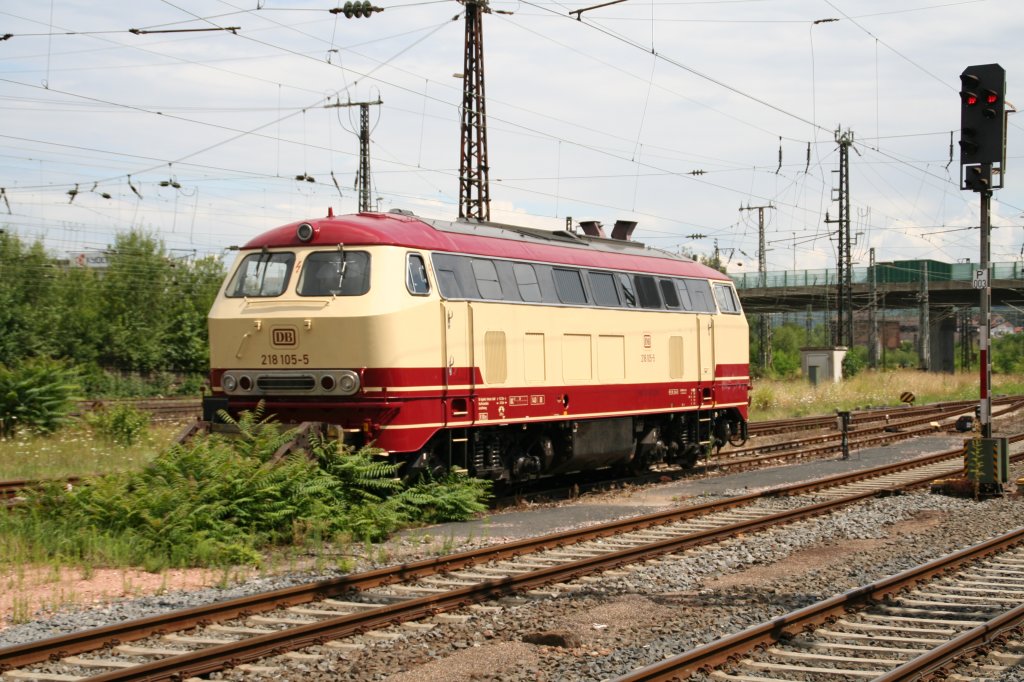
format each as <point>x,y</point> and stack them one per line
<point>469,277</point>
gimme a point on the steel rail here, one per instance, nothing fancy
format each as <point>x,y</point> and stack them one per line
<point>726,649</point>
<point>941,656</point>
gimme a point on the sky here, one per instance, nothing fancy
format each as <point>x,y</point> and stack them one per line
<point>192,119</point>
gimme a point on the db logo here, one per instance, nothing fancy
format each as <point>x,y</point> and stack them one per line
<point>284,337</point>
<point>647,340</point>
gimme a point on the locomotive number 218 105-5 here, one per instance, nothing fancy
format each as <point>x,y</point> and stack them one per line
<point>283,359</point>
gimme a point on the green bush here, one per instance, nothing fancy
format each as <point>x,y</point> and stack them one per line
<point>222,501</point>
<point>37,395</point>
<point>855,360</point>
<point>122,424</point>
<point>762,399</point>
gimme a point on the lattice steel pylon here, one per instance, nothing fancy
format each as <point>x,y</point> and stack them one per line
<point>363,174</point>
<point>844,298</point>
<point>364,158</point>
<point>845,140</point>
<point>474,186</point>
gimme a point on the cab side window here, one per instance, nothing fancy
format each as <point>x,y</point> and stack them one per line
<point>416,275</point>
<point>726,298</point>
<point>700,295</point>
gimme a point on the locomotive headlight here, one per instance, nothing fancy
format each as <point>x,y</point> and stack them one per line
<point>305,232</point>
<point>229,382</point>
<point>348,382</point>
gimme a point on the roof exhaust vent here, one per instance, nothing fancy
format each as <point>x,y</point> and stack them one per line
<point>592,228</point>
<point>623,229</point>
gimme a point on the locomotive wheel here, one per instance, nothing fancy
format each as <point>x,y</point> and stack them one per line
<point>427,467</point>
<point>637,466</point>
<point>691,453</point>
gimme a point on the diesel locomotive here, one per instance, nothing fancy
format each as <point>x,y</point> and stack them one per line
<point>512,352</point>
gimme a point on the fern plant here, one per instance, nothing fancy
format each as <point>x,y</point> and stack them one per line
<point>221,501</point>
<point>456,497</point>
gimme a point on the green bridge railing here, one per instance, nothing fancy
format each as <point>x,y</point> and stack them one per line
<point>899,272</point>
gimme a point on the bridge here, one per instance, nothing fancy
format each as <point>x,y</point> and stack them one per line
<point>897,286</point>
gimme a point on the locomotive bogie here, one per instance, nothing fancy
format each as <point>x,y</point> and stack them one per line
<point>483,347</point>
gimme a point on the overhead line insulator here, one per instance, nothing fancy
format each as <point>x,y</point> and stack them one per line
<point>356,9</point>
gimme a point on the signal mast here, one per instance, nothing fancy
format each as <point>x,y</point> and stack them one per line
<point>982,169</point>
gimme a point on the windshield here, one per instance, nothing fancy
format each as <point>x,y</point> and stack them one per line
<point>262,275</point>
<point>335,273</point>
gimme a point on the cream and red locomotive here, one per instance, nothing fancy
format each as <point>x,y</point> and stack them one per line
<point>512,352</point>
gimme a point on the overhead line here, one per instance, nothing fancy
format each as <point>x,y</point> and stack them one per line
<point>690,69</point>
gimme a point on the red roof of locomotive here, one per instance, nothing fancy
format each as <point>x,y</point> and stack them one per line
<point>485,239</point>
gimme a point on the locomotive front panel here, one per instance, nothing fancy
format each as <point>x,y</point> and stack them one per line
<point>338,334</point>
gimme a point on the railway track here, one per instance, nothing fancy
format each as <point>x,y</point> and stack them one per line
<point>864,417</point>
<point>368,605</point>
<point>160,409</point>
<point>905,627</point>
<point>867,435</point>
<point>11,490</point>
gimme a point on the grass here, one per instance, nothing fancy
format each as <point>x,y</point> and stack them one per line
<point>773,399</point>
<point>74,451</point>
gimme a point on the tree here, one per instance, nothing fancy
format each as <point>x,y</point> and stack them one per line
<point>143,313</point>
<point>194,287</point>
<point>135,303</point>
<point>77,331</point>
<point>26,302</point>
<point>1008,354</point>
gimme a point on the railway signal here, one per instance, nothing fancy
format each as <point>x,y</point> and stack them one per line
<point>982,120</point>
<point>982,169</point>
